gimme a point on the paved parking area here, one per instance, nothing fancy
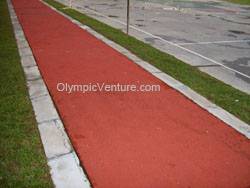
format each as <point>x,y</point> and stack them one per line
<point>212,35</point>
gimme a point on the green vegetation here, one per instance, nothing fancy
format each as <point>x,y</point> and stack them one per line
<point>22,159</point>
<point>229,98</point>
<point>243,2</point>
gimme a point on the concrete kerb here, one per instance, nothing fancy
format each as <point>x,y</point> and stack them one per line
<point>54,139</point>
<point>37,89</point>
<point>27,61</point>
<point>212,108</point>
<point>64,164</point>
<point>32,73</point>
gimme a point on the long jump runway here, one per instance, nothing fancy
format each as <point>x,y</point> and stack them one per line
<point>130,139</point>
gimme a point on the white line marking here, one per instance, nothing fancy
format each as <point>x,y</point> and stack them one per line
<point>215,42</point>
<point>171,43</point>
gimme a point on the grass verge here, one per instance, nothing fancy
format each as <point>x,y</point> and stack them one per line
<point>242,2</point>
<point>225,96</point>
<point>22,159</point>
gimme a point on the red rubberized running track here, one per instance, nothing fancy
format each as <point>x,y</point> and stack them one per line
<point>130,139</point>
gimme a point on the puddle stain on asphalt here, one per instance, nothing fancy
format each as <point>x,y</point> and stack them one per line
<point>233,46</point>
<point>238,32</point>
<point>241,64</point>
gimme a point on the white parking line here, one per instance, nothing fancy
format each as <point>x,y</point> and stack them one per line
<point>166,41</point>
<point>214,42</point>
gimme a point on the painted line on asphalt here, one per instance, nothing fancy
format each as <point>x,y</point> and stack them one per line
<point>204,103</point>
<point>64,164</point>
<point>214,42</point>
<point>166,41</point>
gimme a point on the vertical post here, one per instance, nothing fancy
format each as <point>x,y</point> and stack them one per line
<point>70,3</point>
<point>128,16</point>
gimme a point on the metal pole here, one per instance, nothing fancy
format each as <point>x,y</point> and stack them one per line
<point>70,3</point>
<point>127,16</point>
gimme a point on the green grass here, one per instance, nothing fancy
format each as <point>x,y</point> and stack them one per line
<point>22,159</point>
<point>243,2</point>
<point>229,98</point>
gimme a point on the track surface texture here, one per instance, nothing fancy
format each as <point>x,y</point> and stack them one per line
<point>130,139</point>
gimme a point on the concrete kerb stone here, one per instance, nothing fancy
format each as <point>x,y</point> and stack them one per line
<point>31,73</point>
<point>20,38</point>
<point>171,82</point>
<point>17,26</point>
<point>83,27</point>
<point>76,22</point>
<point>28,61</point>
<point>117,47</point>
<point>198,99</point>
<point>25,51</point>
<point>37,88</point>
<point>14,18</point>
<point>55,141</point>
<point>230,120</point>
<point>22,44</point>
<point>213,109</point>
<point>19,30</point>
<point>44,109</point>
<point>65,169</point>
<point>148,67</point>
<point>67,172</point>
